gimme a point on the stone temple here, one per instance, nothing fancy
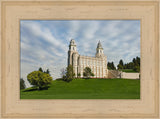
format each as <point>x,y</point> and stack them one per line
<point>98,64</point>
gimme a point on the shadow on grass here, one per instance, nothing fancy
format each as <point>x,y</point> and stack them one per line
<point>36,89</point>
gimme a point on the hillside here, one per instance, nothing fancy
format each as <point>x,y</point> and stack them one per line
<point>87,89</point>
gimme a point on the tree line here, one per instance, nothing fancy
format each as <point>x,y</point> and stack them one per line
<point>134,65</point>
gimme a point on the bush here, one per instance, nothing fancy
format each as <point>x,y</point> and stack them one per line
<point>87,72</point>
<point>69,75</point>
<point>136,68</point>
<point>39,79</point>
<point>22,84</point>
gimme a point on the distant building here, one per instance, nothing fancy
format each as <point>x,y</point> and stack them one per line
<point>98,64</point>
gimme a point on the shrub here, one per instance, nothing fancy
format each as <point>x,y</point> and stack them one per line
<point>69,74</point>
<point>39,79</point>
<point>22,84</point>
<point>87,72</point>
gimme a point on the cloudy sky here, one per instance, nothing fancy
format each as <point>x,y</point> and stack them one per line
<point>44,43</point>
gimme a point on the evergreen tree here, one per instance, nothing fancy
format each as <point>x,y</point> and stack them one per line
<point>48,72</point>
<point>134,60</point>
<point>40,69</point>
<point>69,74</point>
<point>138,60</point>
<point>120,65</point>
<point>22,84</point>
<point>135,64</point>
<point>110,65</point>
<point>121,62</point>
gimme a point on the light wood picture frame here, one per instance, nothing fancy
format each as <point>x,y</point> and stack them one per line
<point>12,11</point>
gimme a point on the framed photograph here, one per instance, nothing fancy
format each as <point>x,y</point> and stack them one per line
<point>80,59</point>
<point>55,66</point>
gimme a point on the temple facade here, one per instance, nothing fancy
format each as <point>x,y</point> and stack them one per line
<point>98,64</point>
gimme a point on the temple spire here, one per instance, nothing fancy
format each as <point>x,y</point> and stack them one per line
<point>99,46</point>
<point>99,50</point>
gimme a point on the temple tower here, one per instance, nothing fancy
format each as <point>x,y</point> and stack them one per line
<point>73,56</point>
<point>72,49</point>
<point>99,50</point>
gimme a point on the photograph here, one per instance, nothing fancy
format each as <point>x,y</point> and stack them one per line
<point>80,59</point>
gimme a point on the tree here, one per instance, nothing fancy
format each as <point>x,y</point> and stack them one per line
<point>110,65</point>
<point>125,66</point>
<point>22,84</point>
<point>129,65</point>
<point>69,74</point>
<point>120,66</point>
<point>136,68</point>
<point>121,62</point>
<point>134,65</point>
<point>48,72</point>
<point>87,72</point>
<point>63,72</point>
<point>39,79</point>
<point>138,60</point>
<point>40,69</point>
<point>79,75</point>
<point>134,60</point>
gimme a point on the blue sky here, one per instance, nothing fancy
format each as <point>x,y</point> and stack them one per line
<point>44,43</point>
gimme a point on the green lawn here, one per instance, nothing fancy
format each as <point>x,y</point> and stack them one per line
<point>129,71</point>
<point>87,89</point>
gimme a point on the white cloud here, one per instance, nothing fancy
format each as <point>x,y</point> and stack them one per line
<point>37,54</point>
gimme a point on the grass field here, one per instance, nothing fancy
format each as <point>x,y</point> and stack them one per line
<point>87,89</point>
